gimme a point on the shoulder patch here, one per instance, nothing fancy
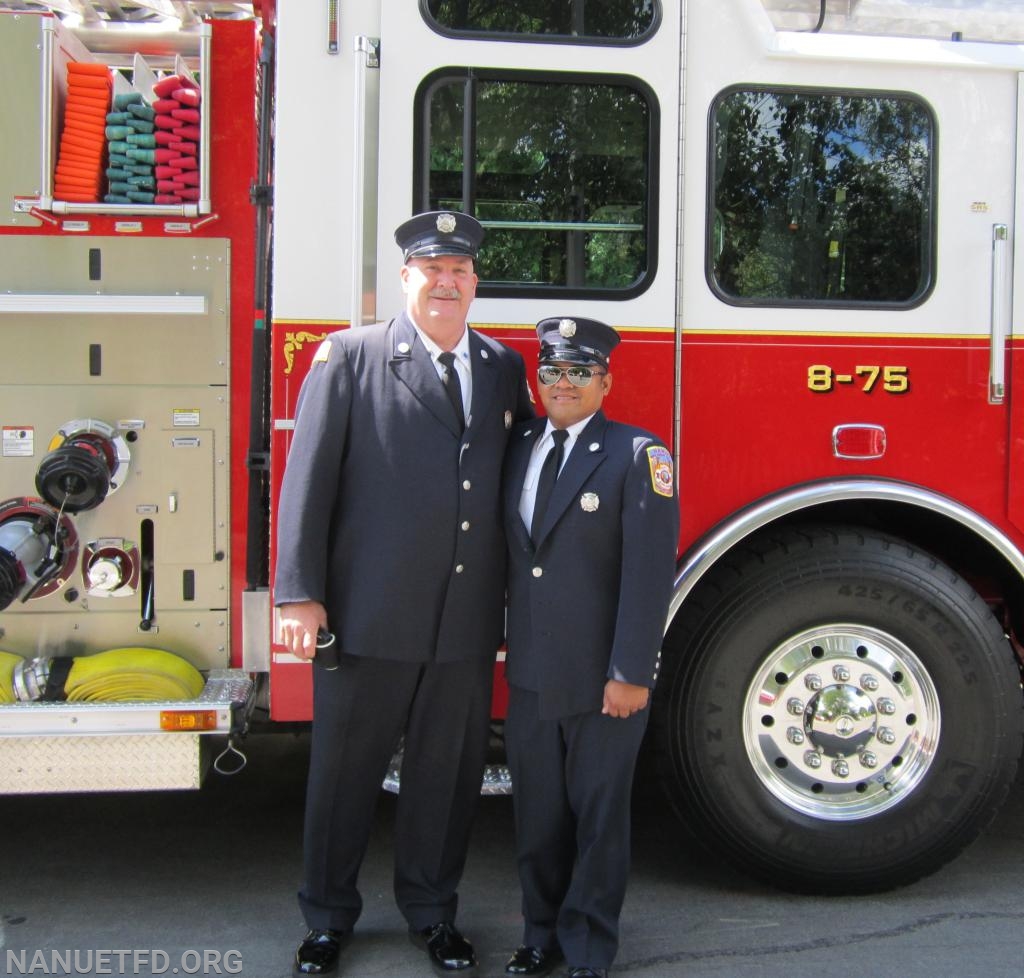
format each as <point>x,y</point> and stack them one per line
<point>660,462</point>
<point>323,353</point>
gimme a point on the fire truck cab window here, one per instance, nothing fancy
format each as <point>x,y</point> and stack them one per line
<point>820,197</point>
<point>579,21</point>
<point>561,174</point>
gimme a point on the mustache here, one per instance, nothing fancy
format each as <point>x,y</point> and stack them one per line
<point>445,294</point>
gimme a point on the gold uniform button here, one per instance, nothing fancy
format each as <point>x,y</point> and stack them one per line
<point>538,571</point>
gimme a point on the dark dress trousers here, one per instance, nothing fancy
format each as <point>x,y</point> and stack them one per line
<point>587,603</point>
<point>391,518</point>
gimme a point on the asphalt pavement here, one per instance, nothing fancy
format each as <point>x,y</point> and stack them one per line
<point>204,883</point>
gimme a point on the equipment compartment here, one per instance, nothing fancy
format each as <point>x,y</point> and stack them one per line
<point>94,128</point>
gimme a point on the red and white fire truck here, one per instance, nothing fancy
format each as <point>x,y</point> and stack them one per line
<point>800,218</point>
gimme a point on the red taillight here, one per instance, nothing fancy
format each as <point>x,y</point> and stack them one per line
<point>858,441</point>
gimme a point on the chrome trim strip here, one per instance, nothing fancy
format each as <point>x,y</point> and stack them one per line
<point>699,559</point>
<point>224,691</point>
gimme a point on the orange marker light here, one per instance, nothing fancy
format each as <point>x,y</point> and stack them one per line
<point>188,720</point>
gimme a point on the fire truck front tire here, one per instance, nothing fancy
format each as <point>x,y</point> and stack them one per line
<point>838,712</point>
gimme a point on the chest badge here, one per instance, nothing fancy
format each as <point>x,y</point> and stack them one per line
<point>589,502</point>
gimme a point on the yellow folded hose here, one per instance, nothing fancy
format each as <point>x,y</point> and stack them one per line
<point>8,660</point>
<point>133,674</point>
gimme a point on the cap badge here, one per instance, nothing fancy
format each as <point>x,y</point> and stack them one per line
<point>566,328</point>
<point>446,223</point>
<point>508,420</point>
<point>589,502</point>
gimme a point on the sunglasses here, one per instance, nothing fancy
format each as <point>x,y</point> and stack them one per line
<point>550,375</point>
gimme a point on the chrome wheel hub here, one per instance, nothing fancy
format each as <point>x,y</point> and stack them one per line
<point>841,721</point>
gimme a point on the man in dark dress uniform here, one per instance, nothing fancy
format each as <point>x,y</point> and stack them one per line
<point>390,536</point>
<point>592,524</point>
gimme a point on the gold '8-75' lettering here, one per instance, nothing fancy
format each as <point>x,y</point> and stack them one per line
<point>821,378</point>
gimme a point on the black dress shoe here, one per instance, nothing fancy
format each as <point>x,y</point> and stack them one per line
<point>533,961</point>
<point>318,953</point>
<point>587,973</point>
<point>449,952</point>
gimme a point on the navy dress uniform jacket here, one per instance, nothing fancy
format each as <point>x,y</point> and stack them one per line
<point>370,524</point>
<point>589,602</point>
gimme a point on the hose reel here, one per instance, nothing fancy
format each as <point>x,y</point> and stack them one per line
<point>86,460</point>
<point>38,548</point>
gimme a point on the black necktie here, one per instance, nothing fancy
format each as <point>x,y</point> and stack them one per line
<point>546,480</point>
<point>453,386</point>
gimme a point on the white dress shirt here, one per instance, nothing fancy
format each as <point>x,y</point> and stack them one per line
<point>462,364</point>
<point>541,447</point>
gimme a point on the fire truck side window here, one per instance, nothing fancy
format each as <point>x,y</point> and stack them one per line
<point>561,173</point>
<point>821,197</point>
<point>578,21</point>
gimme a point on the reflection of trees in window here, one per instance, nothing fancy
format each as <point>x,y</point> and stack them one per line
<point>557,171</point>
<point>821,197</point>
<point>564,18</point>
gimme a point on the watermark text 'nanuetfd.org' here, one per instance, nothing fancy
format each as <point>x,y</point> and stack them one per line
<point>109,962</point>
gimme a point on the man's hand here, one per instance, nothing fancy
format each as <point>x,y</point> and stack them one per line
<point>624,699</point>
<point>299,624</point>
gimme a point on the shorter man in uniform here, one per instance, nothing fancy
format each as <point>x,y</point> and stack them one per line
<point>592,524</point>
